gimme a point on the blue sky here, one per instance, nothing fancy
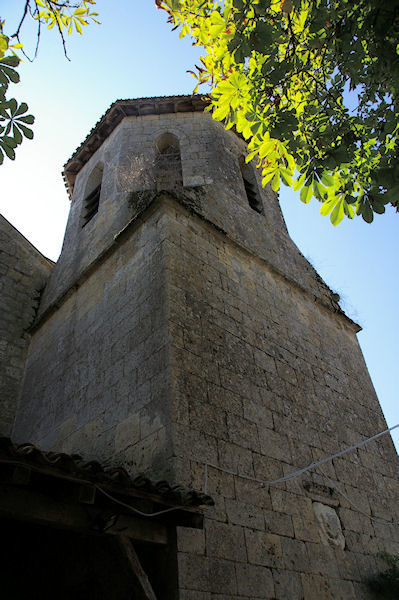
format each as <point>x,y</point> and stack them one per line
<point>133,53</point>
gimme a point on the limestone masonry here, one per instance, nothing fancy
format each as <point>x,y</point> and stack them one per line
<point>182,333</point>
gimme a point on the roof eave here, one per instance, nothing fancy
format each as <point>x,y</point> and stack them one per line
<point>115,114</point>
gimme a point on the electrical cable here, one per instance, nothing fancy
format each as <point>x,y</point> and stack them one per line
<point>136,510</point>
<point>324,460</point>
<point>313,466</point>
<point>357,509</point>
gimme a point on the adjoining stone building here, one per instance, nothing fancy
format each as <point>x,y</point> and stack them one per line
<point>182,334</point>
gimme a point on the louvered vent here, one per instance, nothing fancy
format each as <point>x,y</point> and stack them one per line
<point>91,204</point>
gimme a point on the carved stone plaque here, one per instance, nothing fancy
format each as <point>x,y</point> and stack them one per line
<point>329,525</point>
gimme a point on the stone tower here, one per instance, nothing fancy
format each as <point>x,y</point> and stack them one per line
<point>183,334</point>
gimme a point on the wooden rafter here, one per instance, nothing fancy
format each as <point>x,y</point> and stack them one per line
<point>136,567</point>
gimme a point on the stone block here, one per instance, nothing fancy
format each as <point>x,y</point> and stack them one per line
<point>191,540</point>
<point>222,577</point>
<point>242,432</point>
<point>225,541</point>
<point>127,432</point>
<point>288,585</point>
<point>316,587</point>
<point>305,529</point>
<point>247,515</point>
<point>258,413</point>
<point>266,468</point>
<point>278,523</point>
<point>295,556</point>
<point>193,572</point>
<point>225,399</point>
<point>205,417</point>
<point>322,560</point>
<point>251,492</point>
<point>194,595</point>
<point>342,590</point>
<point>254,581</point>
<point>291,504</point>
<point>274,444</point>
<point>263,548</point>
<point>234,458</point>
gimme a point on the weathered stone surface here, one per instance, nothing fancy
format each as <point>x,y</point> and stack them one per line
<point>288,585</point>
<point>199,344</point>
<point>330,529</point>
<point>254,581</point>
<point>23,274</point>
<point>225,541</point>
<point>263,548</point>
<point>191,540</point>
<point>316,587</point>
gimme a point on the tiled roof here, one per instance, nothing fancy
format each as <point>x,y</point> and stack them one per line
<point>72,466</point>
<point>114,115</point>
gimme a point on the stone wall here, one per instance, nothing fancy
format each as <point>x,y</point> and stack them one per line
<point>267,381</point>
<point>23,273</point>
<point>182,329</point>
<point>97,374</point>
<point>210,162</point>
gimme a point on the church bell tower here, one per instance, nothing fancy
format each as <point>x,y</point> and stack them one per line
<point>182,334</point>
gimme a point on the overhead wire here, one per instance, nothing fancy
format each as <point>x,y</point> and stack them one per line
<point>314,465</point>
<point>132,508</point>
<point>328,458</point>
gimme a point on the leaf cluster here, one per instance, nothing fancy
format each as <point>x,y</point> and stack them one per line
<point>313,86</point>
<point>13,117</point>
<point>64,16</point>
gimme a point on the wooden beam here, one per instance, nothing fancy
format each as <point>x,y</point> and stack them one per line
<point>23,504</point>
<point>141,530</point>
<point>135,565</point>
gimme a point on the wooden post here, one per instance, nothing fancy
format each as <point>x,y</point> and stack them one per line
<point>135,565</point>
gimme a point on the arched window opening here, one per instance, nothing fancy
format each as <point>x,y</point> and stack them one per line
<point>92,195</point>
<point>251,186</point>
<point>168,169</point>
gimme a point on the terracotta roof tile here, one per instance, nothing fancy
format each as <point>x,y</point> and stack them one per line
<point>72,465</point>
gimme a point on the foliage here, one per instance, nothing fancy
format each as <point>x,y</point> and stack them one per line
<point>385,585</point>
<point>312,85</point>
<point>65,16</point>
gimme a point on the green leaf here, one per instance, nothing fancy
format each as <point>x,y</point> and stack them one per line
<point>11,61</point>
<point>17,134</point>
<point>218,24</point>
<point>298,183</point>
<point>28,119</point>
<point>367,213</point>
<point>221,112</point>
<point>349,211</point>
<point>266,148</point>
<point>286,177</point>
<point>327,179</point>
<point>23,107</point>
<point>320,191</point>
<point>306,194</point>
<point>268,177</point>
<point>338,213</point>
<point>26,131</point>
<point>10,141</point>
<point>327,207</point>
<point>8,150</point>
<point>276,182</point>
<point>12,103</point>
<point>10,73</point>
